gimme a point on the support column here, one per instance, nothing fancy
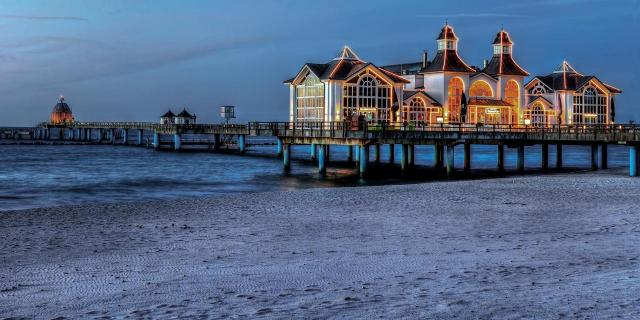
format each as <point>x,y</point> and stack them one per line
<point>634,156</point>
<point>594,157</point>
<point>313,150</point>
<point>559,156</point>
<point>216,141</point>
<point>156,140</point>
<point>392,153</point>
<point>404,158</point>
<point>437,156</point>
<point>241,143</point>
<point>322,158</point>
<point>520,161</point>
<point>140,135</point>
<point>177,141</point>
<point>279,147</point>
<point>450,160</point>
<point>467,157</point>
<point>376,153</point>
<point>364,160</point>
<point>113,136</point>
<point>286,149</point>
<point>500,157</point>
<point>411,155</point>
<point>545,157</point>
<point>125,136</point>
<point>604,162</point>
<point>350,154</point>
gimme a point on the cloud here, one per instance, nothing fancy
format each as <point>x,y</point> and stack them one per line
<point>40,18</point>
<point>471,15</point>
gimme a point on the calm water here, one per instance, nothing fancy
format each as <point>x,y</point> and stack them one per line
<point>40,176</point>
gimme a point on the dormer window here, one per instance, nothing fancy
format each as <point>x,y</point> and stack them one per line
<point>450,44</point>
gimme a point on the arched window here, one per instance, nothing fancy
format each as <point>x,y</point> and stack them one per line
<point>456,87</point>
<point>480,89</point>
<point>367,93</point>
<point>416,112</point>
<point>310,99</point>
<point>367,96</point>
<point>589,107</point>
<point>538,117</point>
<point>512,95</point>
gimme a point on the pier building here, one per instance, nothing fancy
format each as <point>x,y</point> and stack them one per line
<point>446,89</point>
<point>184,117</point>
<point>61,113</point>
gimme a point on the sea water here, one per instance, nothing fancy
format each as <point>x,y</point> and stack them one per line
<point>53,175</point>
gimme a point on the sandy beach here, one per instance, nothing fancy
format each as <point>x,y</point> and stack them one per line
<point>538,247</point>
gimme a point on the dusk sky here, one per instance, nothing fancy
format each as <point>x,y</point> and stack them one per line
<point>133,60</point>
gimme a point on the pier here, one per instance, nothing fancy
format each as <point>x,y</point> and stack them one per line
<point>361,140</point>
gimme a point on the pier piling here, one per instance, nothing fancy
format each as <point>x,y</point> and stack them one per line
<point>604,162</point>
<point>467,157</point>
<point>450,159</point>
<point>520,161</point>
<point>313,149</point>
<point>545,156</point>
<point>286,148</point>
<point>177,142</point>
<point>364,160</point>
<point>404,158</point>
<point>349,154</point>
<point>376,153</point>
<point>594,157</point>
<point>558,156</point>
<point>156,140</point>
<point>140,134</point>
<point>392,153</point>
<point>279,147</point>
<point>241,143</point>
<point>500,157</point>
<point>125,136</point>
<point>322,158</point>
<point>634,156</point>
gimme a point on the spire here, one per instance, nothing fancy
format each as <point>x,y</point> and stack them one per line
<point>347,54</point>
<point>565,67</point>
<point>502,62</point>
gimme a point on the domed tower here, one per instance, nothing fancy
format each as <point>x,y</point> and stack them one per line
<point>61,113</point>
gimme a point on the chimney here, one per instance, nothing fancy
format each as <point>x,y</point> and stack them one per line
<point>485,62</point>
<point>425,58</point>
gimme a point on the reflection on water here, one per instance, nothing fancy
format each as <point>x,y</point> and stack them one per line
<point>38,176</point>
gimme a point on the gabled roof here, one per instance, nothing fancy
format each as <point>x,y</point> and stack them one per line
<point>541,99</point>
<point>408,94</point>
<point>486,75</point>
<point>476,101</point>
<point>343,67</point>
<point>448,60</point>
<point>567,78</point>
<point>185,114</point>
<point>168,114</point>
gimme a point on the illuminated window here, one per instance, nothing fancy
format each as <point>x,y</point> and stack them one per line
<point>456,88</point>
<point>369,97</point>
<point>480,89</point>
<point>310,99</point>
<point>589,106</point>
<point>512,95</point>
<point>537,115</point>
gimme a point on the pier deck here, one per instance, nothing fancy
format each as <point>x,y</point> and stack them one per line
<point>359,139</point>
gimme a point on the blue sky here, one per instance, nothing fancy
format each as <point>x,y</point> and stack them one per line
<point>132,60</point>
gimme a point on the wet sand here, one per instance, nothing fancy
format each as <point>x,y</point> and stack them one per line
<point>540,247</point>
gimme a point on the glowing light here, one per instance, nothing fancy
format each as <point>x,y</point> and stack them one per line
<point>527,122</point>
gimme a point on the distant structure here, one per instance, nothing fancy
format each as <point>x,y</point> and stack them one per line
<point>184,117</point>
<point>445,89</point>
<point>228,112</point>
<point>61,113</point>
